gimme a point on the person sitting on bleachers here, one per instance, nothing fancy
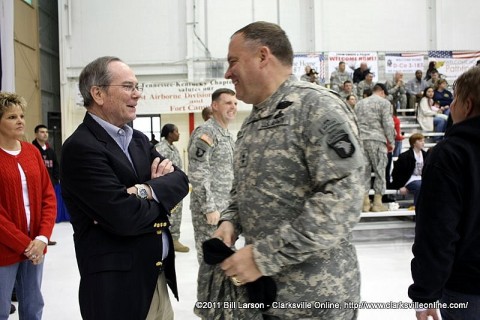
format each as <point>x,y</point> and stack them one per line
<point>415,89</point>
<point>429,116</point>
<point>407,169</point>
<point>396,91</point>
<point>347,89</point>
<point>442,97</point>
<point>365,84</point>
<point>351,100</point>
<point>338,77</point>
<point>435,76</point>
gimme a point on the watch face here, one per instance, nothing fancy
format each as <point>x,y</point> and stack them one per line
<point>143,193</point>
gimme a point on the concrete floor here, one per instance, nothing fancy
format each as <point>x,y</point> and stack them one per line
<point>385,269</point>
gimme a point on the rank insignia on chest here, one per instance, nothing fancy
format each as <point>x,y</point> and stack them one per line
<point>243,158</point>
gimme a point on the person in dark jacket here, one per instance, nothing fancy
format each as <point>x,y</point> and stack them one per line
<point>360,73</point>
<point>49,158</point>
<point>48,154</point>
<point>446,263</point>
<point>407,169</point>
<point>119,192</point>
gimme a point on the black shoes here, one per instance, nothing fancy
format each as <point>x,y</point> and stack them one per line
<point>52,243</point>
<point>12,309</point>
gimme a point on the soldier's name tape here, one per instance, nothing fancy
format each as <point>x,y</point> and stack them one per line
<point>323,305</point>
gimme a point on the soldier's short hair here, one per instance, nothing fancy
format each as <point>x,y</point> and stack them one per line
<point>271,35</point>
<point>217,93</point>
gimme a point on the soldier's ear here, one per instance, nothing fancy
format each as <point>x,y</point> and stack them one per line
<point>264,53</point>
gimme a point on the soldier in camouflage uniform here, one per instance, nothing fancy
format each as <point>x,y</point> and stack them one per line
<point>375,120</point>
<point>338,77</point>
<point>396,90</point>
<point>165,147</point>
<point>347,90</point>
<point>210,158</point>
<point>298,188</point>
<point>365,84</point>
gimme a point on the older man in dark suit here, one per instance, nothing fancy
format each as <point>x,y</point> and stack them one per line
<point>119,192</point>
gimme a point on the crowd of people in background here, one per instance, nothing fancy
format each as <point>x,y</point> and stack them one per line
<point>124,191</point>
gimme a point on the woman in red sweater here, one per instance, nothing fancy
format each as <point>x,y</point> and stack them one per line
<point>27,212</point>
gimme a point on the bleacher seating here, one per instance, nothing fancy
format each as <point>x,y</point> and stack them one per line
<point>400,223</point>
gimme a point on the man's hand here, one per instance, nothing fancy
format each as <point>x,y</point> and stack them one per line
<point>424,315</point>
<point>226,233</point>
<point>161,168</point>
<point>213,217</point>
<point>241,265</point>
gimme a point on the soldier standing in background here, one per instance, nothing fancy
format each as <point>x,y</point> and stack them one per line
<point>165,147</point>
<point>210,157</point>
<point>297,190</point>
<point>206,113</point>
<point>375,121</point>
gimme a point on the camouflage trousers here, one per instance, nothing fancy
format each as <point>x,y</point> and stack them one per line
<point>375,153</point>
<point>176,221</point>
<point>402,98</point>
<point>202,231</point>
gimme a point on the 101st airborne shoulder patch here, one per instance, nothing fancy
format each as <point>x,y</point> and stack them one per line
<point>337,137</point>
<point>340,142</point>
<point>203,143</point>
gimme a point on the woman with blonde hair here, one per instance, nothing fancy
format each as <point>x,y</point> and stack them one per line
<point>27,213</point>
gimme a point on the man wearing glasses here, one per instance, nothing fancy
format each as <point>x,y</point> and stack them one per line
<point>119,192</point>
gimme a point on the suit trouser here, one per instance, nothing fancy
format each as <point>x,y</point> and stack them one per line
<point>161,307</point>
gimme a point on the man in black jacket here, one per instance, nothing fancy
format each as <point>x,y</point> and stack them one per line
<point>446,263</point>
<point>49,157</point>
<point>48,154</point>
<point>119,192</point>
<point>360,73</point>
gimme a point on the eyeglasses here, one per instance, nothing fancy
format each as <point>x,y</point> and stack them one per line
<point>127,87</point>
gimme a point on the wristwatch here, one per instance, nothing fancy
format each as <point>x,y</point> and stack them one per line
<point>141,191</point>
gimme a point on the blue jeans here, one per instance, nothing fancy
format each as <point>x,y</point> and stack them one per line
<point>398,148</point>
<point>470,313</point>
<point>414,187</point>
<point>27,279</point>
<point>440,125</point>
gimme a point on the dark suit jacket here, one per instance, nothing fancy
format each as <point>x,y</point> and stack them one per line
<point>403,168</point>
<point>117,236</point>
